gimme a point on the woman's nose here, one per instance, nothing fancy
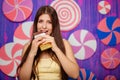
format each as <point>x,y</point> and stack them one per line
<point>44,26</point>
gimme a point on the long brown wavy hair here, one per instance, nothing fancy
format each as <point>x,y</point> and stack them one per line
<point>55,33</point>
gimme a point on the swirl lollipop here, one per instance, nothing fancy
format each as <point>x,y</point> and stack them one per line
<point>17,10</point>
<point>69,13</point>
<point>110,77</point>
<point>104,7</point>
<point>108,31</point>
<point>23,33</point>
<point>83,44</point>
<point>10,58</point>
<point>86,75</point>
<point>110,58</point>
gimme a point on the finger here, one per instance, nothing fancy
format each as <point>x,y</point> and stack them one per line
<point>46,36</point>
<point>41,41</point>
<point>47,41</point>
<point>38,39</point>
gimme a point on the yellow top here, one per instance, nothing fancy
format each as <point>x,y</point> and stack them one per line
<point>48,70</point>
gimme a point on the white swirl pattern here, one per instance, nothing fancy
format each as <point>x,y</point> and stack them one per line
<point>69,13</point>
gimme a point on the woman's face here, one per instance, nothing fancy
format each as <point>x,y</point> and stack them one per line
<point>44,24</point>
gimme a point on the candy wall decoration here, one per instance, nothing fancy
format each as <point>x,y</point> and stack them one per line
<point>86,75</point>
<point>104,7</point>
<point>78,19</point>
<point>108,31</point>
<point>17,10</point>
<point>110,58</point>
<point>110,77</point>
<point>83,43</point>
<point>10,57</point>
<point>69,13</point>
<point>23,33</point>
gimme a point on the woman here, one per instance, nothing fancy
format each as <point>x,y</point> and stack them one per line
<point>55,63</point>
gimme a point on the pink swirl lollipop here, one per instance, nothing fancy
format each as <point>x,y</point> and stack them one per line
<point>83,43</point>
<point>110,77</point>
<point>10,58</point>
<point>104,7</point>
<point>17,10</point>
<point>69,13</point>
<point>110,58</point>
<point>23,33</point>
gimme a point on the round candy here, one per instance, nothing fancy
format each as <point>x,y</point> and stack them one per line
<point>23,33</point>
<point>110,58</point>
<point>69,13</point>
<point>10,58</point>
<point>110,77</point>
<point>17,10</point>
<point>86,75</point>
<point>108,31</point>
<point>83,43</point>
<point>104,7</point>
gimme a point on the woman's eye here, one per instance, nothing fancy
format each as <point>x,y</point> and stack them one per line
<point>50,22</point>
<point>39,21</point>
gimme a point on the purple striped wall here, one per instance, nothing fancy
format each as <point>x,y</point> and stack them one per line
<point>89,20</point>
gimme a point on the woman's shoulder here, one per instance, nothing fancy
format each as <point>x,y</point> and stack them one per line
<point>68,48</point>
<point>25,47</point>
<point>66,42</point>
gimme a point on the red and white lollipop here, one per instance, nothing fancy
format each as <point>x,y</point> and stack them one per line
<point>110,77</point>
<point>23,33</point>
<point>10,58</point>
<point>83,43</point>
<point>110,58</point>
<point>69,13</point>
<point>104,7</point>
<point>17,10</point>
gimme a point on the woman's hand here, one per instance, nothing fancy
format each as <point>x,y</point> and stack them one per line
<point>35,44</point>
<point>50,39</point>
